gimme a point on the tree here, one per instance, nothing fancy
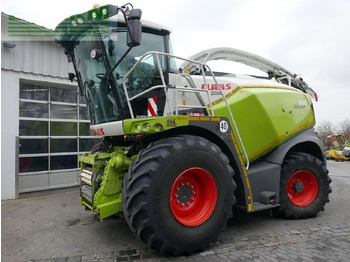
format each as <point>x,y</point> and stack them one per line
<point>344,127</point>
<point>325,129</point>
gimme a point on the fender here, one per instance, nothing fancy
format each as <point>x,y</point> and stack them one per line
<point>307,141</point>
<point>270,168</point>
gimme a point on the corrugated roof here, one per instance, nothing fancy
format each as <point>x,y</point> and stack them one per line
<point>35,51</point>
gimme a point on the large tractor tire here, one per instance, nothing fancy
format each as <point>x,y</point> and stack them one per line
<point>305,186</point>
<point>178,194</point>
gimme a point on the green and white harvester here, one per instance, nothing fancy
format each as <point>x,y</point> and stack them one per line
<point>183,146</point>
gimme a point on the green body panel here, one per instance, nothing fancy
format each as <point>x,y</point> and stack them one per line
<point>110,169</point>
<point>96,159</point>
<point>267,116</point>
<point>108,199</point>
<point>152,125</point>
<point>96,162</point>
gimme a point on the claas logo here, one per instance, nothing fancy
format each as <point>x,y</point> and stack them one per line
<point>215,86</point>
<point>98,131</point>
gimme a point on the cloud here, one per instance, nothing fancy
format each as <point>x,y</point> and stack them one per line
<point>319,49</point>
<point>307,37</point>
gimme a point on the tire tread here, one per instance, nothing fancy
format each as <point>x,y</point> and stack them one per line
<point>140,176</point>
<point>287,209</point>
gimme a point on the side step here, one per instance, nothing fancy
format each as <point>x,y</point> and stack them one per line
<point>260,206</point>
<point>257,206</point>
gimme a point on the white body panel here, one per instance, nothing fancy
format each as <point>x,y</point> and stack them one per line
<point>226,83</point>
<point>108,129</point>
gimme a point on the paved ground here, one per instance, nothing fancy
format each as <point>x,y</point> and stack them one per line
<point>55,228</point>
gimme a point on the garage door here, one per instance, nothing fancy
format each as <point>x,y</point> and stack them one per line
<point>53,131</point>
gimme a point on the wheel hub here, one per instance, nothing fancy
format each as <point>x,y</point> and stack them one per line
<point>184,193</point>
<point>193,196</point>
<point>298,187</point>
<point>302,188</point>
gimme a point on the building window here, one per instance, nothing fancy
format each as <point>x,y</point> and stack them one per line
<point>53,131</point>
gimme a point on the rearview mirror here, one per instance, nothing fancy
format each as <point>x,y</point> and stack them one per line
<point>135,27</point>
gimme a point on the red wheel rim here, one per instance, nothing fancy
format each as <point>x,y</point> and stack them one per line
<point>302,188</point>
<point>193,197</point>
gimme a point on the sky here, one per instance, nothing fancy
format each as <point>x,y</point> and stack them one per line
<point>308,37</point>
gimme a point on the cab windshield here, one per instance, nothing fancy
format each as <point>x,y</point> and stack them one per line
<point>104,94</point>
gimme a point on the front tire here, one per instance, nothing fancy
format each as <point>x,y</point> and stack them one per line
<point>305,186</point>
<point>178,194</point>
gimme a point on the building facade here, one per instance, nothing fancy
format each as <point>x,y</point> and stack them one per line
<point>45,124</point>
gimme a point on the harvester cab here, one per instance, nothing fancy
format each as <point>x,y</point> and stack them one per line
<point>103,50</point>
<point>182,145</point>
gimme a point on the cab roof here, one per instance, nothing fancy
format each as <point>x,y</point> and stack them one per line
<point>145,23</point>
<point>71,29</point>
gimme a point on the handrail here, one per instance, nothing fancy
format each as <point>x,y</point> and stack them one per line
<point>146,91</point>
<point>202,65</point>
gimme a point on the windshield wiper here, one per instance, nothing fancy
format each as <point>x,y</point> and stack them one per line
<point>119,61</point>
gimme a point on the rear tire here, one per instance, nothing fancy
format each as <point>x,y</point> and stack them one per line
<point>178,194</point>
<point>305,186</point>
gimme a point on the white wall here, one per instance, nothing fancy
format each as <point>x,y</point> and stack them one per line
<point>10,123</point>
<point>9,130</point>
<point>37,59</point>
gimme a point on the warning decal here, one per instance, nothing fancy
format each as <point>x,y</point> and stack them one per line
<point>152,106</point>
